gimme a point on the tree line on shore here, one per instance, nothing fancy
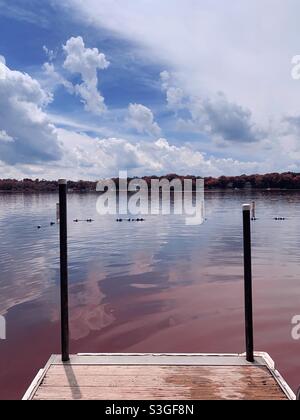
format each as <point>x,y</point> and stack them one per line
<point>287,180</point>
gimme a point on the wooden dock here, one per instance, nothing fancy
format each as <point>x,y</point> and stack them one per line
<point>159,377</point>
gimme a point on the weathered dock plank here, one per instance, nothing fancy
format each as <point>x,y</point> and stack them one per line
<point>128,377</point>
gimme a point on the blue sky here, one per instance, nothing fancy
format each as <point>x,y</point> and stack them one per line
<point>93,87</point>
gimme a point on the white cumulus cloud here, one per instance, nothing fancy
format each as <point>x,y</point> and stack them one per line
<point>51,54</point>
<point>141,119</point>
<point>215,115</point>
<point>5,137</point>
<point>86,62</point>
<point>94,158</point>
<point>240,49</point>
<point>52,79</point>
<point>30,137</point>
<point>175,95</point>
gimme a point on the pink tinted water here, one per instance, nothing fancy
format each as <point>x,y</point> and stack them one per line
<point>158,286</point>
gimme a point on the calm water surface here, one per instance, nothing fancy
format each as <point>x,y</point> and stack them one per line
<point>158,286</point>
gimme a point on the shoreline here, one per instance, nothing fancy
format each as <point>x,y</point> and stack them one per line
<point>207,190</point>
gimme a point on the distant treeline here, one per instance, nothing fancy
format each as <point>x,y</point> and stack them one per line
<point>287,180</point>
<point>29,185</point>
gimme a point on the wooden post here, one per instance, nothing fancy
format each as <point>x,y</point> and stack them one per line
<point>248,283</point>
<point>64,270</point>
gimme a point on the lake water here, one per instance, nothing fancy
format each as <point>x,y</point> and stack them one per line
<point>157,286</point>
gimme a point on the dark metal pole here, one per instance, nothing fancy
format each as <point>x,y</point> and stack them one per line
<point>248,283</point>
<point>64,270</point>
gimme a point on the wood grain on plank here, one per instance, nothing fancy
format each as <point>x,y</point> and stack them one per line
<point>158,382</point>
